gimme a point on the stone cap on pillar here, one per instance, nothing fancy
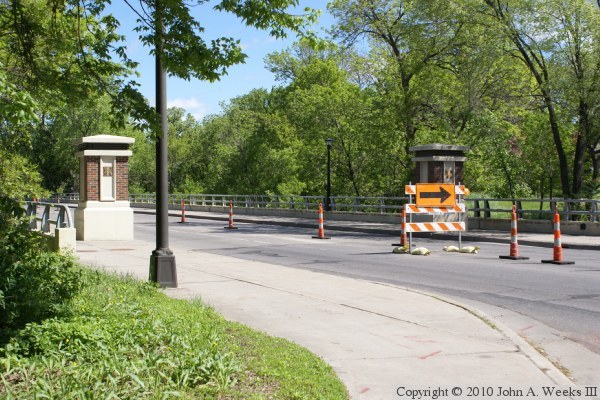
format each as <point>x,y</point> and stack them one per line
<point>104,145</point>
<point>439,152</point>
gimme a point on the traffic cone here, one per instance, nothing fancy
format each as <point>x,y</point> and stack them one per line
<point>182,212</point>
<point>558,257</point>
<point>230,226</point>
<point>321,233</point>
<point>403,239</point>
<point>514,244</point>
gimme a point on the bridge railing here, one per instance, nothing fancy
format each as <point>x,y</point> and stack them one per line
<point>338,203</point>
<point>485,208</point>
<point>47,216</point>
<point>535,209</point>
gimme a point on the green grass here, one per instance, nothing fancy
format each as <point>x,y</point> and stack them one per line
<point>124,339</point>
<point>532,207</point>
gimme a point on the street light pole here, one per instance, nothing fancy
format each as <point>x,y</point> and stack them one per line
<point>162,261</point>
<point>328,198</point>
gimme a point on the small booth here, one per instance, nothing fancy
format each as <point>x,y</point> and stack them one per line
<point>439,163</point>
<point>443,164</point>
<point>103,212</point>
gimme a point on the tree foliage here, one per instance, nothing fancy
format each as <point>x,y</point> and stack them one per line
<point>517,81</point>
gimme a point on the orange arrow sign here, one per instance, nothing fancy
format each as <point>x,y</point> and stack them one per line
<point>435,194</point>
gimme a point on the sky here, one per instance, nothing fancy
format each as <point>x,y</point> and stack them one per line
<point>201,98</point>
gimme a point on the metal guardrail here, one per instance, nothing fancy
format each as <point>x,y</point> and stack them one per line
<point>53,215</point>
<point>486,208</point>
<point>338,203</point>
<point>536,209</point>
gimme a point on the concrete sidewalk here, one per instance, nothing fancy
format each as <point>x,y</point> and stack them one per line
<point>377,337</point>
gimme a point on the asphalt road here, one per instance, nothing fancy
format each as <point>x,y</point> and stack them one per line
<point>565,298</point>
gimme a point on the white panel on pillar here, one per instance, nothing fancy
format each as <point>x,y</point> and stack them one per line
<point>107,178</point>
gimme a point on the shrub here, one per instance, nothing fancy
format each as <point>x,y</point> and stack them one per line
<point>33,283</point>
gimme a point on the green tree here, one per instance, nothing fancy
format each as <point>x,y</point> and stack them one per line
<point>408,36</point>
<point>256,148</point>
<point>577,60</point>
<point>539,32</point>
<point>59,53</point>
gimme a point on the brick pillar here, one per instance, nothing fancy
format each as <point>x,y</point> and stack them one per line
<point>92,178</point>
<point>103,212</point>
<point>122,178</point>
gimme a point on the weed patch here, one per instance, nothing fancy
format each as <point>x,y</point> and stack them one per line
<point>125,339</point>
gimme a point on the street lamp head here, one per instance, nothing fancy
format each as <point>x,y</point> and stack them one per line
<point>329,142</point>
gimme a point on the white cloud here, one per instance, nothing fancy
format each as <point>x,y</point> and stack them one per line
<point>192,106</point>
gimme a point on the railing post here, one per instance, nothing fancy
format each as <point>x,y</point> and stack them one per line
<point>32,212</point>
<point>45,226</point>
<point>291,202</point>
<point>60,218</point>
<point>593,211</point>
<point>567,216</point>
<point>70,222</point>
<point>486,212</point>
<point>476,211</point>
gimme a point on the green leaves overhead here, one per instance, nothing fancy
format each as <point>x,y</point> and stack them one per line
<point>186,54</point>
<point>66,49</point>
<point>59,55</point>
<point>272,15</point>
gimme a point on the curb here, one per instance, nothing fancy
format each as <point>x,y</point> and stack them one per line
<point>541,362</point>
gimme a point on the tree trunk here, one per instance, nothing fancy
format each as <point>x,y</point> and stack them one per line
<point>406,112</point>
<point>537,66</point>
<point>580,147</point>
<point>560,151</point>
<point>595,163</point>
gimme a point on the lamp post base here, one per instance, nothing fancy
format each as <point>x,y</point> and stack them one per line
<point>162,268</point>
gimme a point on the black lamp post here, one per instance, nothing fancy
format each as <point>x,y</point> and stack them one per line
<point>162,260</point>
<point>328,198</point>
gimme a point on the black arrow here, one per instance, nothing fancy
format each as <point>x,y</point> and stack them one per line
<point>443,195</point>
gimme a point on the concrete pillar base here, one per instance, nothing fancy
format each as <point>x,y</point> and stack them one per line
<point>104,221</point>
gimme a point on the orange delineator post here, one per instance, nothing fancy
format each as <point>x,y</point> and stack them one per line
<point>230,226</point>
<point>182,211</point>
<point>403,240</point>
<point>558,257</point>
<point>321,232</point>
<point>514,244</point>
